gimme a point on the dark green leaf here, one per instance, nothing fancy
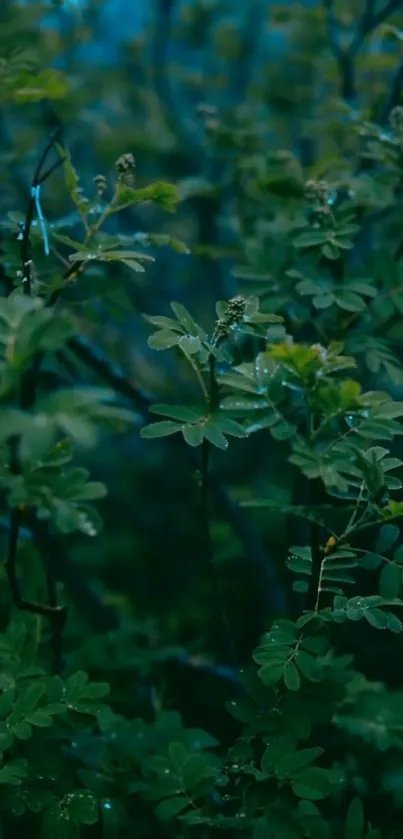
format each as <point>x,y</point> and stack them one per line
<point>376,618</point>
<point>82,807</point>
<point>309,666</point>
<point>214,435</point>
<point>163,340</point>
<point>292,763</point>
<point>159,429</point>
<point>171,807</point>
<point>292,678</point>
<point>178,412</point>
<point>355,820</point>
<point>193,434</point>
<point>39,719</point>
<point>390,581</point>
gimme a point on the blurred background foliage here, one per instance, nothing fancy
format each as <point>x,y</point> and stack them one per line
<point>238,103</point>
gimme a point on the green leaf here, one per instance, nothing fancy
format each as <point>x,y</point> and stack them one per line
<point>14,773</point>
<point>163,340</point>
<point>30,698</point>
<point>215,436</point>
<point>295,761</point>
<point>271,673</point>
<point>189,344</point>
<point>95,690</point>
<point>390,581</point>
<point>6,702</point>
<point>310,239</point>
<point>355,820</point>
<point>22,730</point>
<point>91,491</point>
<point>178,412</point>
<point>230,426</point>
<point>178,755</point>
<point>279,747</point>
<point>394,623</point>
<point>309,666</point>
<point>56,824</point>
<point>292,679</point>
<point>82,807</point>
<point>39,718</point>
<point>193,434</point>
<point>159,429</point>
<point>387,537</point>
<point>349,301</point>
<point>370,561</point>
<point>164,323</point>
<point>196,770</point>
<point>47,84</point>
<point>169,808</point>
<point>185,318</point>
<point>312,783</point>
<point>377,618</point>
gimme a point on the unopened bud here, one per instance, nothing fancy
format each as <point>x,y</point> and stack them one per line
<point>101,185</point>
<point>317,192</point>
<point>125,167</point>
<point>221,330</point>
<point>235,310</point>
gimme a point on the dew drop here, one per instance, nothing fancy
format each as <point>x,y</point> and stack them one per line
<point>332,197</point>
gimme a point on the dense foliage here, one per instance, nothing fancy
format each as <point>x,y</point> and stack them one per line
<point>202,635</point>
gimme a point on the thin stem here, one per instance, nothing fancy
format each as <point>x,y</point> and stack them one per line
<point>28,386</point>
<point>356,508</point>
<point>205,518</point>
<point>315,529</point>
<point>79,267</point>
<point>10,565</point>
<point>199,376</point>
<point>319,588</point>
<point>29,217</point>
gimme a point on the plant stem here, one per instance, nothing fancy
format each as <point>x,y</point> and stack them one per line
<point>205,518</point>
<point>200,379</point>
<point>28,386</point>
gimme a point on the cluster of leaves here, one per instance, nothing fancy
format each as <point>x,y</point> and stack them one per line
<point>70,761</point>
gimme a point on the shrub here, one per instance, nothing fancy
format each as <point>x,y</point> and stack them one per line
<point>300,368</point>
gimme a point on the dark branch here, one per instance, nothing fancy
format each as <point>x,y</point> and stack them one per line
<point>161,36</point>
<point>368,22</point>
<point>394,95</point>
<point>10,565</point>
